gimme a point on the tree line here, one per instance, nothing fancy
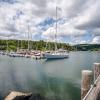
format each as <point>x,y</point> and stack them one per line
<point>87,47</point>
<point>13,45</point>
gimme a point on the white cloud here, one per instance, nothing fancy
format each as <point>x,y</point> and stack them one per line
<point>77,18</point>
<point>96,40</point>
<point>63,30</point>
<point>89,18</point>
<point>96,32</point>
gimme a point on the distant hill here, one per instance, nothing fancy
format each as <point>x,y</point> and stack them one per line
<point>87,47</point>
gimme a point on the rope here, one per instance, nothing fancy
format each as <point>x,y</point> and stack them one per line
<point>92,86</point>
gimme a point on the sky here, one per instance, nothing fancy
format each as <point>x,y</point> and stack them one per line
<point>78,21</point>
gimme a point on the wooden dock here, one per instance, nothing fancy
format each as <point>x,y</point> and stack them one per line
<point>88,91</point>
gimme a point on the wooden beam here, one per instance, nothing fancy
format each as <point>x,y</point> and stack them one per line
<point>96,70</point>
<point>86,82</point>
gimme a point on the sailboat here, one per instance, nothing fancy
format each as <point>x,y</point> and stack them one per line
<point>57,54</point>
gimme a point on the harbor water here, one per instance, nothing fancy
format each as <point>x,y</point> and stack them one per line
<point>54,79</point>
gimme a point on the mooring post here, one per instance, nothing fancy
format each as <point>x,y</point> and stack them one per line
<point>96,70</point>
<point>87,76</point>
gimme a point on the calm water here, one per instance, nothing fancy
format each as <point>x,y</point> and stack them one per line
<point>56,79</point>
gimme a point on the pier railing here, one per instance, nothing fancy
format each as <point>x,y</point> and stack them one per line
<point>88,91</point>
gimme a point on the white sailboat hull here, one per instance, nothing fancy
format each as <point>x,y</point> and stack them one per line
<point>56,56</point>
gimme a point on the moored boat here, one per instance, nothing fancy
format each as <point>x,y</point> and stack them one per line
<point>57,54</point>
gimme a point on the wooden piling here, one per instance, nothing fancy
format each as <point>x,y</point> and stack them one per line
<point>96,70</point>
<point>86,82</point>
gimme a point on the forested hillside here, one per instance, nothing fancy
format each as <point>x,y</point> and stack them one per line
<point>33,45</point>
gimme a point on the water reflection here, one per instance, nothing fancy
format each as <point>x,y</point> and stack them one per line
<point>53,60</point>
<point>55,79</point>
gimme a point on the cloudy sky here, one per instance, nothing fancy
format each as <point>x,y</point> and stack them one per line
<point>78,20</point>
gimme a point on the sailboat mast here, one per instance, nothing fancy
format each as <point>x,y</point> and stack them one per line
<point>17,45</point>
<point>7,45</point>
<point>56,31</point>
<point>28,39</point>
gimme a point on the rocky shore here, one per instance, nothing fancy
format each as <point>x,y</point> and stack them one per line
<point>23,96</point>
